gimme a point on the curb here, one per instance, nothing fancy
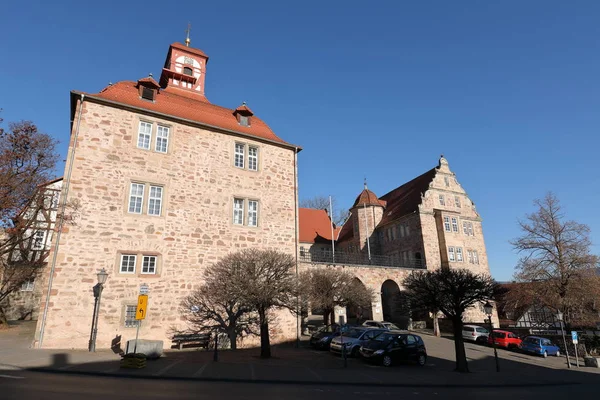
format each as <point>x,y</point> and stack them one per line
<point>302,383</point>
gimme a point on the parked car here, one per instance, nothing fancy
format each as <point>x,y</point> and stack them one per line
<point>540,346</point>
<point>505,339</point>
<point>353,339</point>
<point>321,339</point>
<point>381,324</point>
<point>475,333</point>
<point>394,346</point>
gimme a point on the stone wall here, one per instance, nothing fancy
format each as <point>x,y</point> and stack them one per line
<point>195,227</point>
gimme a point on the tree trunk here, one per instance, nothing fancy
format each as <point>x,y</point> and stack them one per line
<point>325,318</point>
<point>332,316</point>
<point>3,319</point>
<point>436,325</point>
<point>232,338</point>
<point>265,344</point>
<point>459,346</point>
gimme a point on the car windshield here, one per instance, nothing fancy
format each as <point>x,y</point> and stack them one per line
<point>532,340</point>
<point>354,333</point>
<point>385,337</point>
<point>482,330</point>
<point>390,326</point>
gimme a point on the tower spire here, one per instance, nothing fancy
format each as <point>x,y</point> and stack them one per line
<point>366,182</point>
<point>187,38</point>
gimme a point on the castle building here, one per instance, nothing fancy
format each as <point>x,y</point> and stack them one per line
<point>168,184</point>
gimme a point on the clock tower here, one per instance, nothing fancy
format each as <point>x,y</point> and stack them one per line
<point>185,69</point>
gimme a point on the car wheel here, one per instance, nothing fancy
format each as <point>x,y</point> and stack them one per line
<point>557,353</point>
<point>387,361</point>
<point>422,360</point>
<point>545,355</point>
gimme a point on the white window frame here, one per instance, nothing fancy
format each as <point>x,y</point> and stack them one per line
<point>238,212</point>
<point>451,254</point>
<point>244,120</point>
<point>130,322</point>
<point>252,213</point>
<point>28,285</point>
<point>162,139</point>
<point>253,158</point>
<point>37,240</point>
<point>459,254</point>
<point>153,200</point>
<point>136,197</point>
<point>447,227</point>
<point>128,265</point>
<point>475,257</point>
<point>454,224</point>
<point>144,138</point>
<point>457,202</point>
<point>146,262</point>
<point>442,200</point>
<point>471,229</point>
<point>470,256</point>
<point>239,156</point>
<point>465,228</point>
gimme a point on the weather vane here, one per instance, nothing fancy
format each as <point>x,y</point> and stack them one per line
<point>187,31</point>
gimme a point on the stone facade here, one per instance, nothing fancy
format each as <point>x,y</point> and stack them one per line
<point>193,229</point>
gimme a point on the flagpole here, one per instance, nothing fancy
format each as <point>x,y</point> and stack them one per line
<point>331,223</point>
<point>367,230</point>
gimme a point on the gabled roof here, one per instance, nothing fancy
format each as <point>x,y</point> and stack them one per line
<point>178,104</point>
<point>149,80</point>
<point>406,198</point>
<point>315,226</point>
<point>367,197</point>
<point>191,50</point>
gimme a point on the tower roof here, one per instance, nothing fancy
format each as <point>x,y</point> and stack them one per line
<point>367,197</point>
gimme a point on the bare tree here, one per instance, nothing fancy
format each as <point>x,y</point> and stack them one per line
<point>451,291</point>
<point>556,251</point>
<point>322,203</point>
<point>327,288</point>
<point>215,307</point>
<point>265,281</point>
<point>27,159</point>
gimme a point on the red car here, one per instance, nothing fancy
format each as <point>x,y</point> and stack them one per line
<point>505,339</point>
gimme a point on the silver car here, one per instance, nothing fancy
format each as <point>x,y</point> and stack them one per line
<point>475,333</point>
<point>353,339</point>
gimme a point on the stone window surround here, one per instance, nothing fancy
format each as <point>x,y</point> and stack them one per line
<point>139,259</point>
<point>453,254</point>
<point>146,198</point>
<point>153,134</point>
<point>245,210</point>
<point>247,146</point>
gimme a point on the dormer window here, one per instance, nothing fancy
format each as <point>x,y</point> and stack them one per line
<point>244,121</point>
<point>243,115</point>
<point>188,71</point>
<point>148,93</point>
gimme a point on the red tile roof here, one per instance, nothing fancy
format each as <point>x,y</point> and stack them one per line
<point>315,226</point>
<point>367,197</point>
<point>406,198</point>
<point>190,106</point>
<point>346,231</point>
<point>192,50</point>
<point>149,80</point>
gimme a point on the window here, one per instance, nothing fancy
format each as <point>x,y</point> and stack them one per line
<point>128,263</point>
<point>406,230</point>
<point>38,240</point>
<point>475,257</point>
<point>27,286</point>
<point>55,200</point>
<point>239,155</point>
<point>155,200</point>
<point>244,121</point>
<point>252,213</point>
<point>447,181</point>
<point>470,256</point>
<point>451,253</point>
<point>144,134</point>
<point>465,228</point>
<point>454,224</point>
<point>162,139</point>
<point>253,158</point>
<point>188,71</point>
<point>442,200</point>
<point>147,93</point>
<point>471,229</point>
<point>302,251</point>
<point>481,330</point>
<point>149,265</point>
<point>136,198</point>
<point>457,201</point>
<point>410,340</point>
<point>130,321</point>
<point>238,211</point>
<point>447,224</point>
<point>459,254</point>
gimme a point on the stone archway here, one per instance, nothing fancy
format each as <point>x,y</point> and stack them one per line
<point>357,315</point>
<point>394,306</point>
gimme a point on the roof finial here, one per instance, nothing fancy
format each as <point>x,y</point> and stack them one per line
<point>150,74</point>
<point>243,103</point>
<point>187,31</point>
<point>366,183</point>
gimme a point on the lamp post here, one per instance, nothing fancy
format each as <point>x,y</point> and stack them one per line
<point>560,316</point>
<point>488,308</point>
<point>102,276</point>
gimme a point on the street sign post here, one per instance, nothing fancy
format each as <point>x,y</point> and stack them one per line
<point>575,342</point>
<point>141,310</point>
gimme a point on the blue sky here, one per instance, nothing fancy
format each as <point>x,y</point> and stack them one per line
<point>507,91</point>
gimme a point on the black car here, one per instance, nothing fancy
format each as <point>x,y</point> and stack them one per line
<point>321,339</point>
<point>395,346</point>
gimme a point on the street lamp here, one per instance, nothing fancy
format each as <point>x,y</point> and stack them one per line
<point>559,317</point>
<point>102,276</point>
<point>488,308</point>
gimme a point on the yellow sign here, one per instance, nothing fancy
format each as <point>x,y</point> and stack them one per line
<point>142,307</point>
